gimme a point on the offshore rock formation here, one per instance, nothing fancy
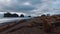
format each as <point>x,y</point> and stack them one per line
<point>10,15</point>
<point>21,15</point>
<point>14,15</point>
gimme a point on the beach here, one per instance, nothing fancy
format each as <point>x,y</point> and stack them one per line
<point>29,26</point>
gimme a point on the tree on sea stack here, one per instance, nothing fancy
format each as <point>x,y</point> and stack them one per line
<point>22,15</point>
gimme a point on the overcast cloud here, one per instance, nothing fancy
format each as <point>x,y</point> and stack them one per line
<point>30,7</point>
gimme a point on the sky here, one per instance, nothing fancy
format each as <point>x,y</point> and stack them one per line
<point>30,7</point>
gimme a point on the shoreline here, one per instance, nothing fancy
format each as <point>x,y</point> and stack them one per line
<point>30,24</point>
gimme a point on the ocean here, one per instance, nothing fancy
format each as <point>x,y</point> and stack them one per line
<point>2,20</point>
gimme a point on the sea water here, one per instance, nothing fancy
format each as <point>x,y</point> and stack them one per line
<point>10,19</point>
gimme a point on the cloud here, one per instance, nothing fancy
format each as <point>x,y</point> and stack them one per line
<point>30,7</point>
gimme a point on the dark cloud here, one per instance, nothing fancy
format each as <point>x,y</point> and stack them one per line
<point>34,7</point>
<point>20,8</point>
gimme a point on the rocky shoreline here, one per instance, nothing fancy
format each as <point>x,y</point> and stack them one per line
<point>29,26</point>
